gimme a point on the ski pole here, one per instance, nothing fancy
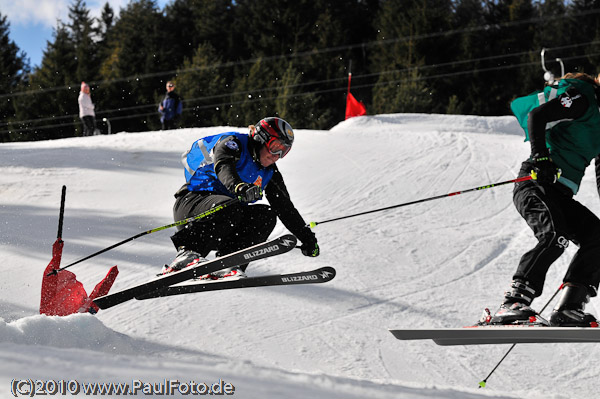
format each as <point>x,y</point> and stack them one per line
<point>62,213</point>
<point>484,382</point>
<point>178,223</point>
<point>520,179</point>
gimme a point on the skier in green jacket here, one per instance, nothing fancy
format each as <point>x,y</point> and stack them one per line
<point>562,124</point>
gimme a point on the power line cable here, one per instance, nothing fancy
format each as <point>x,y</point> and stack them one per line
<point>356,77</point>
<point>486,27</point>
<point>392,82</point>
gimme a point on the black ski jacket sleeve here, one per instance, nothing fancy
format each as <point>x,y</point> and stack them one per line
<point>225,159</point>
<point>568,106</point>
<point>280,201</point>
<point>597,164</point>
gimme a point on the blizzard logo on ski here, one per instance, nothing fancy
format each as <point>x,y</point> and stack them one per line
<point>287,243</point>
<point>326,275</point>
<point>261,251</point>
<point>300,278</point>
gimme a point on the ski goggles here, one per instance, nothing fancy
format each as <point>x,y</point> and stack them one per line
<point>276,146</point>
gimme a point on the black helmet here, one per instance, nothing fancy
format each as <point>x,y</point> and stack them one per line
<point>276,134</point>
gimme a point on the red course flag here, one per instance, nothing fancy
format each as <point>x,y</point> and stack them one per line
<point>354,107</point>
<point>63,294</point>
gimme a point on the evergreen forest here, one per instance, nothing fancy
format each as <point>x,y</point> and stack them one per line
<point>237,61</point>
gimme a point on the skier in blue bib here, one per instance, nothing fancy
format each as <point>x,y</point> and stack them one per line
<point>563,125</point>
<point>236,165</point>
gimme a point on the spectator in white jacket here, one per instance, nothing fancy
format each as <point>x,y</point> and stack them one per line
<point>86,110</point>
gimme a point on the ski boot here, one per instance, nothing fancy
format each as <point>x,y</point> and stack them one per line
<point>569,309</point>
<point>227,273</point>
<point>515,309</point>
<point>184,258</point>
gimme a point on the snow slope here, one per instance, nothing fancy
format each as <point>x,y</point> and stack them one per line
<point>433,264</point>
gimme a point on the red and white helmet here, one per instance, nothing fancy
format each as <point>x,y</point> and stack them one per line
<point>276,134</point>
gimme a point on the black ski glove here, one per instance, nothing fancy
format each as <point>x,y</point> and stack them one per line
<point>310,248</point>
<point>544,170</point>
<point>247,192</point>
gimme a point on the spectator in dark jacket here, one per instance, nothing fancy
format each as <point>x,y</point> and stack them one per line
<point>170,108</point>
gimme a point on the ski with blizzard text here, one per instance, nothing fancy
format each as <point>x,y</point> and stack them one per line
<point>263,250</point>
<point>321,275</point>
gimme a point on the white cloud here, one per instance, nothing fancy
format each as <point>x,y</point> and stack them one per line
<point>47,12</point>
<point>34,12</point>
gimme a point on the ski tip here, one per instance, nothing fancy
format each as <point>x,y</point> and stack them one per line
<point>482,384</point>
<point>330,270</point>
<point>313,225</point>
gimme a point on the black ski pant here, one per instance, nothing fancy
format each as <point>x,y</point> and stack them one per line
<point>169,124</point>
<point>228,230</point>
<point>89,125</point>
<point>556,218</point>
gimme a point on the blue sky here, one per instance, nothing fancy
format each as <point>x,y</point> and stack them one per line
<point>32,21</point>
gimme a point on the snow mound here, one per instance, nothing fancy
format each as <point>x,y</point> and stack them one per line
<point>82,331</point>
<point>450,123</point>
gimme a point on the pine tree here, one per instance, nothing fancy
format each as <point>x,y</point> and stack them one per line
<point>281,31</point>
<point>201,86</point>
<point>190,23</point>
<point>584,27</point>
<point>54,98</point>
<point>503,37</point>
<point>137,48</point>
<point>106,22</point>
<point>251,100</point>
<point>465,92</point>
<point>297,108</point>
<point>14,68</point>
<point>81,33</point>
<point>407,31</point>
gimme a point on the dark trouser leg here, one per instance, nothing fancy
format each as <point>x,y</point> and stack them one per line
<point>228,230</point>
<point>543,210</point>
<point>89,125</point>
<point>169,124</point>
<point>203,235</point>
<point>584,269</point>
<point>582,277</point>
<point>254,226</point>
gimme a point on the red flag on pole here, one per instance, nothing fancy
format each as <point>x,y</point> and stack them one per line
<point>63,294</point>
<point>353,106</point>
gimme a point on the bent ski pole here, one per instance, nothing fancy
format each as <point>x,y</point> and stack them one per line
<point>178,223</point>
<point>520,179</point>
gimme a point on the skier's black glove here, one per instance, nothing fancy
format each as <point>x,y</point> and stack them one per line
<point>310,248</point>
<point>544,170</point>
<point>247,192</point>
